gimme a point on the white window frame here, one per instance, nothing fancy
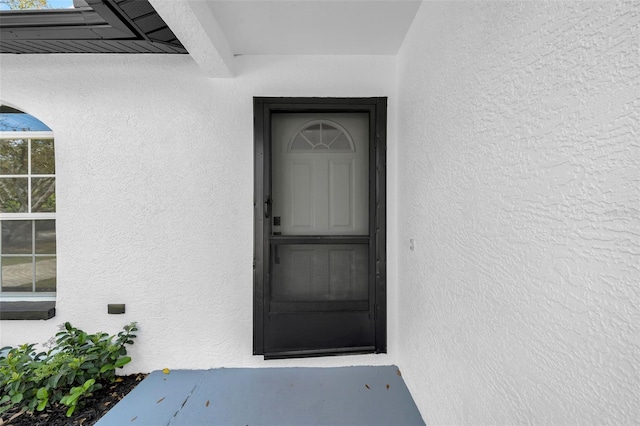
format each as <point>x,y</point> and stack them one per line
<point>29,296</point>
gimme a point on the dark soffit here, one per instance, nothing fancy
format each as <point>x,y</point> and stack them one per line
<point>104,26</point>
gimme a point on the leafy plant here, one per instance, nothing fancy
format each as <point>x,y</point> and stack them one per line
<point>75,394</point>
<point>75,366</point>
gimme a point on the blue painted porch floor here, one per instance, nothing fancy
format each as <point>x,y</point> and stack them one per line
<point>269,396</point>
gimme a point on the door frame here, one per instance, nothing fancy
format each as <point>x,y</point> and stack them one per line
<point>376,107</point>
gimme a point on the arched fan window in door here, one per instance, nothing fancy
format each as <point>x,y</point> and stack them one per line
<point>323,136</point>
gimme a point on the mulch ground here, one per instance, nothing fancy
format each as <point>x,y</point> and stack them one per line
<point>95,406</point>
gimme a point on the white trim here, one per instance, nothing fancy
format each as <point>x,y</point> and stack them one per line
<point>25,297</point>
<point>26,135</point>
<point>26,176</point>
<point>27,216</point>
<point>29,193</point>
<point>30,255</point>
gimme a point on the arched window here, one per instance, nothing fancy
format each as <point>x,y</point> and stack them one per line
<point>27,207</point>
<point>321,136</point>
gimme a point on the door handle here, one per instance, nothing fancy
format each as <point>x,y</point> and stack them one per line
<point>267,208</point>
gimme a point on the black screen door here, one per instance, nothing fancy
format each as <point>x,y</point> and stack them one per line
<point>319,222</point>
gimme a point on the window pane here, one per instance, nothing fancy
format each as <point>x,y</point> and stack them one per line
<point>329,133</point>
<point>42,157</point>
<point>13,157</point>
<point>300,143</point>
<point>320,272</point>
<point>14,195</point>
<point>341,142</point>
<point>45,236</point>
<point>17,273</point>
<point>16,237</point>
<point>312,133</point>
<point>46,273</point>
<point>43,195</point>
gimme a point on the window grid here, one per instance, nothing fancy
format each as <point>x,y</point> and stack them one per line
<point>34,260</point>
<point>28,215</point>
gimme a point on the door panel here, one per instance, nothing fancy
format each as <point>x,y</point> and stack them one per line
<point>320,272</point>
<point>341,197</point>
<point>300,217</point>
<point>309,331</point>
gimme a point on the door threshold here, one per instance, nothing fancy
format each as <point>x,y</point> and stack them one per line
<point>320,352</point>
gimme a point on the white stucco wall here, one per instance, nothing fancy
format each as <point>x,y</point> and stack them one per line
<point>518,128</point>
<point>515,126</point>
<point>155,194</point>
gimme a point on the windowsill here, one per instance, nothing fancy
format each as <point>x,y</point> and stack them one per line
<point>22,310</point>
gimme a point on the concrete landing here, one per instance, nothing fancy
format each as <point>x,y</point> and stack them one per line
<point>269,396</point>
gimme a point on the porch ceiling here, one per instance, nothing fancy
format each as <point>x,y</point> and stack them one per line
<point>318,27</point>
<point>213,31</point>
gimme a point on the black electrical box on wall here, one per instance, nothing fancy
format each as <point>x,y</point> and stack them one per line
<point>114,308</point>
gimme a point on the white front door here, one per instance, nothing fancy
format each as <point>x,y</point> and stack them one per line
<point>321,174</point>
<point>320,187</point>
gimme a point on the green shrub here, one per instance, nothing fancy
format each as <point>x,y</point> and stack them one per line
<point>76,365</point>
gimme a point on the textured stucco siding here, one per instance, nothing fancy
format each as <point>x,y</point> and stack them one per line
<point>519,154</point>
<point>513,165</point>
<point>155,194</point>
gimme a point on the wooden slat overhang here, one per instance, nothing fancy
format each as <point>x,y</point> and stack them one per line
<point>104,26</point>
